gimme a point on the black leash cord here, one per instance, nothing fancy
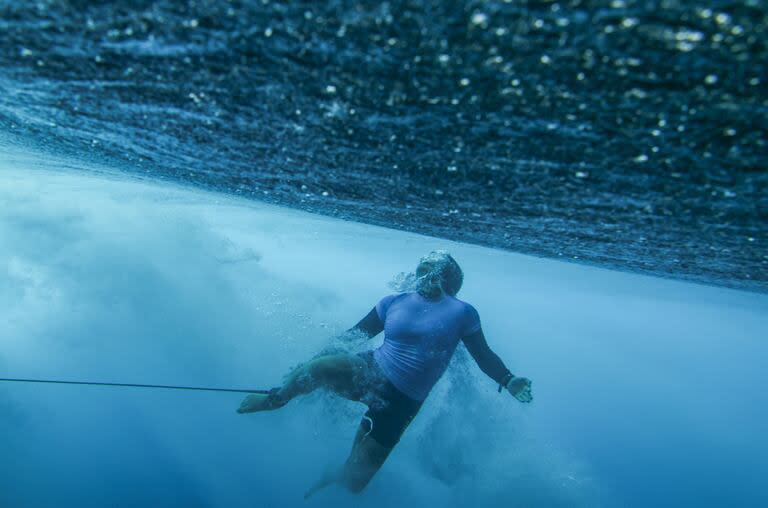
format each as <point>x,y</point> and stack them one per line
<point>132,385</point>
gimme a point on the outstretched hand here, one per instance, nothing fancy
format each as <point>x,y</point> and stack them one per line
<point>520,388</point>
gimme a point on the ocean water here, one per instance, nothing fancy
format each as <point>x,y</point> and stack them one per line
<point>205,192</point>
<point>621,133</point>
<point>647,391</point>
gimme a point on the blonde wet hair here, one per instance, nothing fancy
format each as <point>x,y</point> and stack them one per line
<point>436,273</point>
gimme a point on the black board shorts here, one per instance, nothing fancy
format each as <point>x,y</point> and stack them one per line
<point>390,411</point>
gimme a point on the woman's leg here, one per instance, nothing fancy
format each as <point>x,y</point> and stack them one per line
<point>364,461</point>
<point>379,432</point>
<point>342,373</point>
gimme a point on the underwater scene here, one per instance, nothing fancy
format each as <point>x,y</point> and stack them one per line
<point>382,254</point>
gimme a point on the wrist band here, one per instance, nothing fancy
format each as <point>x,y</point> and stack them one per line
<point>505,380</point>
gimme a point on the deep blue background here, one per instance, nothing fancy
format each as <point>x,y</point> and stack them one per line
<point>625,133</point>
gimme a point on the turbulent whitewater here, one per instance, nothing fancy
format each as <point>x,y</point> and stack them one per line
<point>647,391</point>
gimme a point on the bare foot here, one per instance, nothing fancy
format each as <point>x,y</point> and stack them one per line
<point>329,477</point>
<point>255,402</point>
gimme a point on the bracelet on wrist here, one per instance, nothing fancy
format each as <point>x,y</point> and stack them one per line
<point>505,380</point>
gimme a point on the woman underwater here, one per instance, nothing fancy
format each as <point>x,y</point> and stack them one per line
<point>422,327</point>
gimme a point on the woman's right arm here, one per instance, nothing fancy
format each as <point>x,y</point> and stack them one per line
<point>490,363</point>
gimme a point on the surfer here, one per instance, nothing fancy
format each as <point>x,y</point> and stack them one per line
<point>422,324</point>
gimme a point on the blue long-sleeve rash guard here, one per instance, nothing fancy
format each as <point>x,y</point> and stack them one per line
<point>420,336</point>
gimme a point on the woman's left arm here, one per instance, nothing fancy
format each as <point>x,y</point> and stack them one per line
<point>371,325</point>
<point>368,327</point>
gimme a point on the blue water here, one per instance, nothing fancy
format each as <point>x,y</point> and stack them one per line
<point>647,391</point>
<point>619,133</point>
<point>204,192</point>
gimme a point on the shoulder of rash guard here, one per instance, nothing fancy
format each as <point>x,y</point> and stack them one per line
<point>471,319</point>
<point>383,306</point>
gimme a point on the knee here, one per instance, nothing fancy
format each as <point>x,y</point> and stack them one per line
<point>318,368</point>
